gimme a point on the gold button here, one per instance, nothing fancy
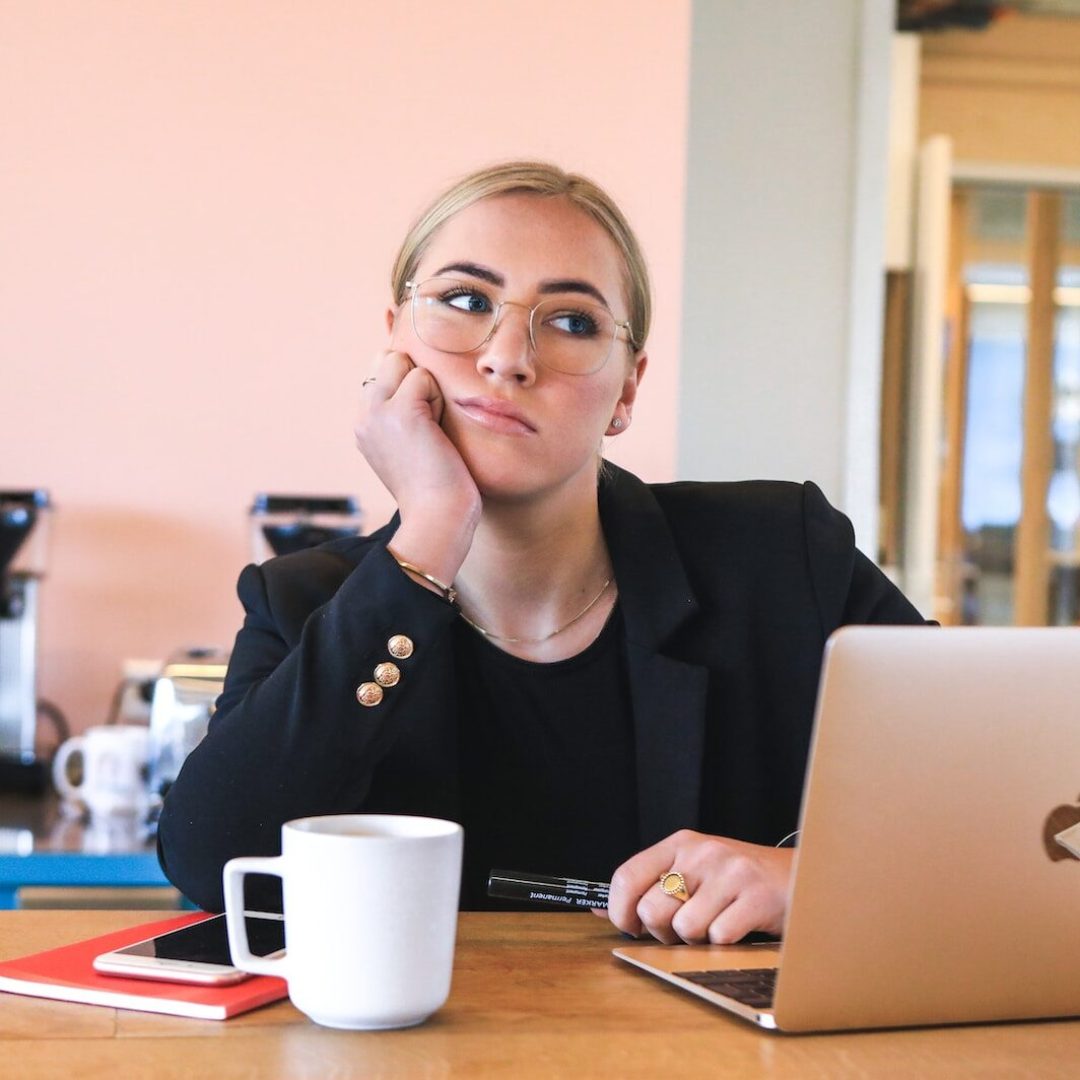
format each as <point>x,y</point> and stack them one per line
<point>401,647</point>
<point>387,674</point>
<point>369,693</point>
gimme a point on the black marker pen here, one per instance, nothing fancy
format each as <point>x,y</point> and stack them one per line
<point>545,889</point>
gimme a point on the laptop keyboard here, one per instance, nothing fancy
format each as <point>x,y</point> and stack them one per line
<point>749,986</point>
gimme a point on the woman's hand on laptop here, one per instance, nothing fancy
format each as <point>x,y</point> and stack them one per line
<point>733,888</point>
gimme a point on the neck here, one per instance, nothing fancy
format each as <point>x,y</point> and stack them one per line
<point>533,566</point>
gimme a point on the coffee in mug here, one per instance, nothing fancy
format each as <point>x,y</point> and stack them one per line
<point>370,916</point>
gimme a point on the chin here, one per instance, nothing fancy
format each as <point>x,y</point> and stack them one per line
<point>508,485</point>
<point>504,485</point>
<point>498,471</point>
<point>509,469</point>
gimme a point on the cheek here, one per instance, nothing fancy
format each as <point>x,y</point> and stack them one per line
<point>401,332</point>
<point>403,339</point>
<point>586,413</point>
<point>600,407</point>
<point>602,396</point>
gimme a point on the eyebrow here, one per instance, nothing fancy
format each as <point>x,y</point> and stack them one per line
<point>473,270</point>
<point>547,288</point>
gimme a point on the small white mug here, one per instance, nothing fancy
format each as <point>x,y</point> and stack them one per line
<point>115,760</point>
<point>370,916</point>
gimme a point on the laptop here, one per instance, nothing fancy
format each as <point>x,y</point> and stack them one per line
<point>937,878</point>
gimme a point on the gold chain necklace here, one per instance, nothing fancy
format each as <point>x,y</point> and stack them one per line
<point>547,637</point>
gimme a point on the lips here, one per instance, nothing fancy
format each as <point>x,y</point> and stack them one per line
<point>497,415</point>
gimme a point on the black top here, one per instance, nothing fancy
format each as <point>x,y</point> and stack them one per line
<point>727,593</point>
<point>547,762</point>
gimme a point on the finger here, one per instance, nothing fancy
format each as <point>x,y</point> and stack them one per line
<point>421,382</point>
<point>389,370</point>
<point>656,913</point>
<point>417,392</point>
<point>694,919</point>
<point>636,876</point>
<point>735,921</point>
<point>671,919</point>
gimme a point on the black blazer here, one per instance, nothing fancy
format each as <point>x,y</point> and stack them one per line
<point>728,593</point>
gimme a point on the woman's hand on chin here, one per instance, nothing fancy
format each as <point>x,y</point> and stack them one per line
<point>732,888</point>
<point>399,434</point>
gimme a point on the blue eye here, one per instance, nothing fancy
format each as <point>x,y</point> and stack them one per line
<point>463,299</point>
<point>575,323</point>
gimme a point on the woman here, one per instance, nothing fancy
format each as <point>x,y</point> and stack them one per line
<point>597,677</point>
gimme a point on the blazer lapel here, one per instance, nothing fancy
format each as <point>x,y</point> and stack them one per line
<point>668,695</point>
<point>669,727</point>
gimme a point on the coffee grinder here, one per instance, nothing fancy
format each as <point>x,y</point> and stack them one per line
<point>23,542</point>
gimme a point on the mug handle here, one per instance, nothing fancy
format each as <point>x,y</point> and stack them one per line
<point>233,881</point>
<point>59,768</point>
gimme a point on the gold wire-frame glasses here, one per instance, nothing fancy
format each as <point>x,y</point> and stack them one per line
<point>574,339</point>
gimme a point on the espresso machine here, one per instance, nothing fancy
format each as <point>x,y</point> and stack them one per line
<point>23,544</point>
<point>281,524</point>
<point>187,688</point>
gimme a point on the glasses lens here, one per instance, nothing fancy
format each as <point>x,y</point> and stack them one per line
<point>452,315</point>
<point>457,316</point>
<point>573,337</point>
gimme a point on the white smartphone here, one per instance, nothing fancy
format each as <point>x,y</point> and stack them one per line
<point>195,954</point>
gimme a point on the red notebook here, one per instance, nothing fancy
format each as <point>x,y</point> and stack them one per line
<point>67,974</point>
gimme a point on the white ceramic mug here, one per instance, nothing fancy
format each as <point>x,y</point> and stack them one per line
<point>370,916</point>
<point>115,760</point>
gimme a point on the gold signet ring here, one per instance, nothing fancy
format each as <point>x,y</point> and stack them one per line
<point>674,884</point>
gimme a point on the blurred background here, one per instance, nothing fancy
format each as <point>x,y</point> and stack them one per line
<point>199,206</point>
<point>862,220</point>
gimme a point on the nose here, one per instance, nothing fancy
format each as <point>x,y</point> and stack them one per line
<point>508,352</point>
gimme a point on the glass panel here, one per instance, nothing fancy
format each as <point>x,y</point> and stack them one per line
<point>996,292</point>
<point>1063,498</point>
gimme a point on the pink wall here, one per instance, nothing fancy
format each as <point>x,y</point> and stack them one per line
<point>199,203</point>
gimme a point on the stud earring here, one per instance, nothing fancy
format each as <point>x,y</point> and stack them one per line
<point>616,423</point>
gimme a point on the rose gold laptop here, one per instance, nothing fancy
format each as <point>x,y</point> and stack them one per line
<point>938,872</point>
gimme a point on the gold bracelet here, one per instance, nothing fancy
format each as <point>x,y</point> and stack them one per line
<point>448,591</point>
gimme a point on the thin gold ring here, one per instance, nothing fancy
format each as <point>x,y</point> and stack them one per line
<point>674,884</point>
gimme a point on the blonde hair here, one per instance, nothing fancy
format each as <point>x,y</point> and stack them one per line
<point>537,178</point>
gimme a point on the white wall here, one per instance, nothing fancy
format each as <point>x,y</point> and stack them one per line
<point>783,272</point>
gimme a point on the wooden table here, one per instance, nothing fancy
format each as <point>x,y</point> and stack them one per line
<point>533,995</point>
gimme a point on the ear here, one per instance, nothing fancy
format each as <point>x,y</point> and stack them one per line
<point>624,407</point>
<point>391,316</point>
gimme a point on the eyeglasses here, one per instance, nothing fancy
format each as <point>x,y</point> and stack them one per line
<point>571,337</point>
